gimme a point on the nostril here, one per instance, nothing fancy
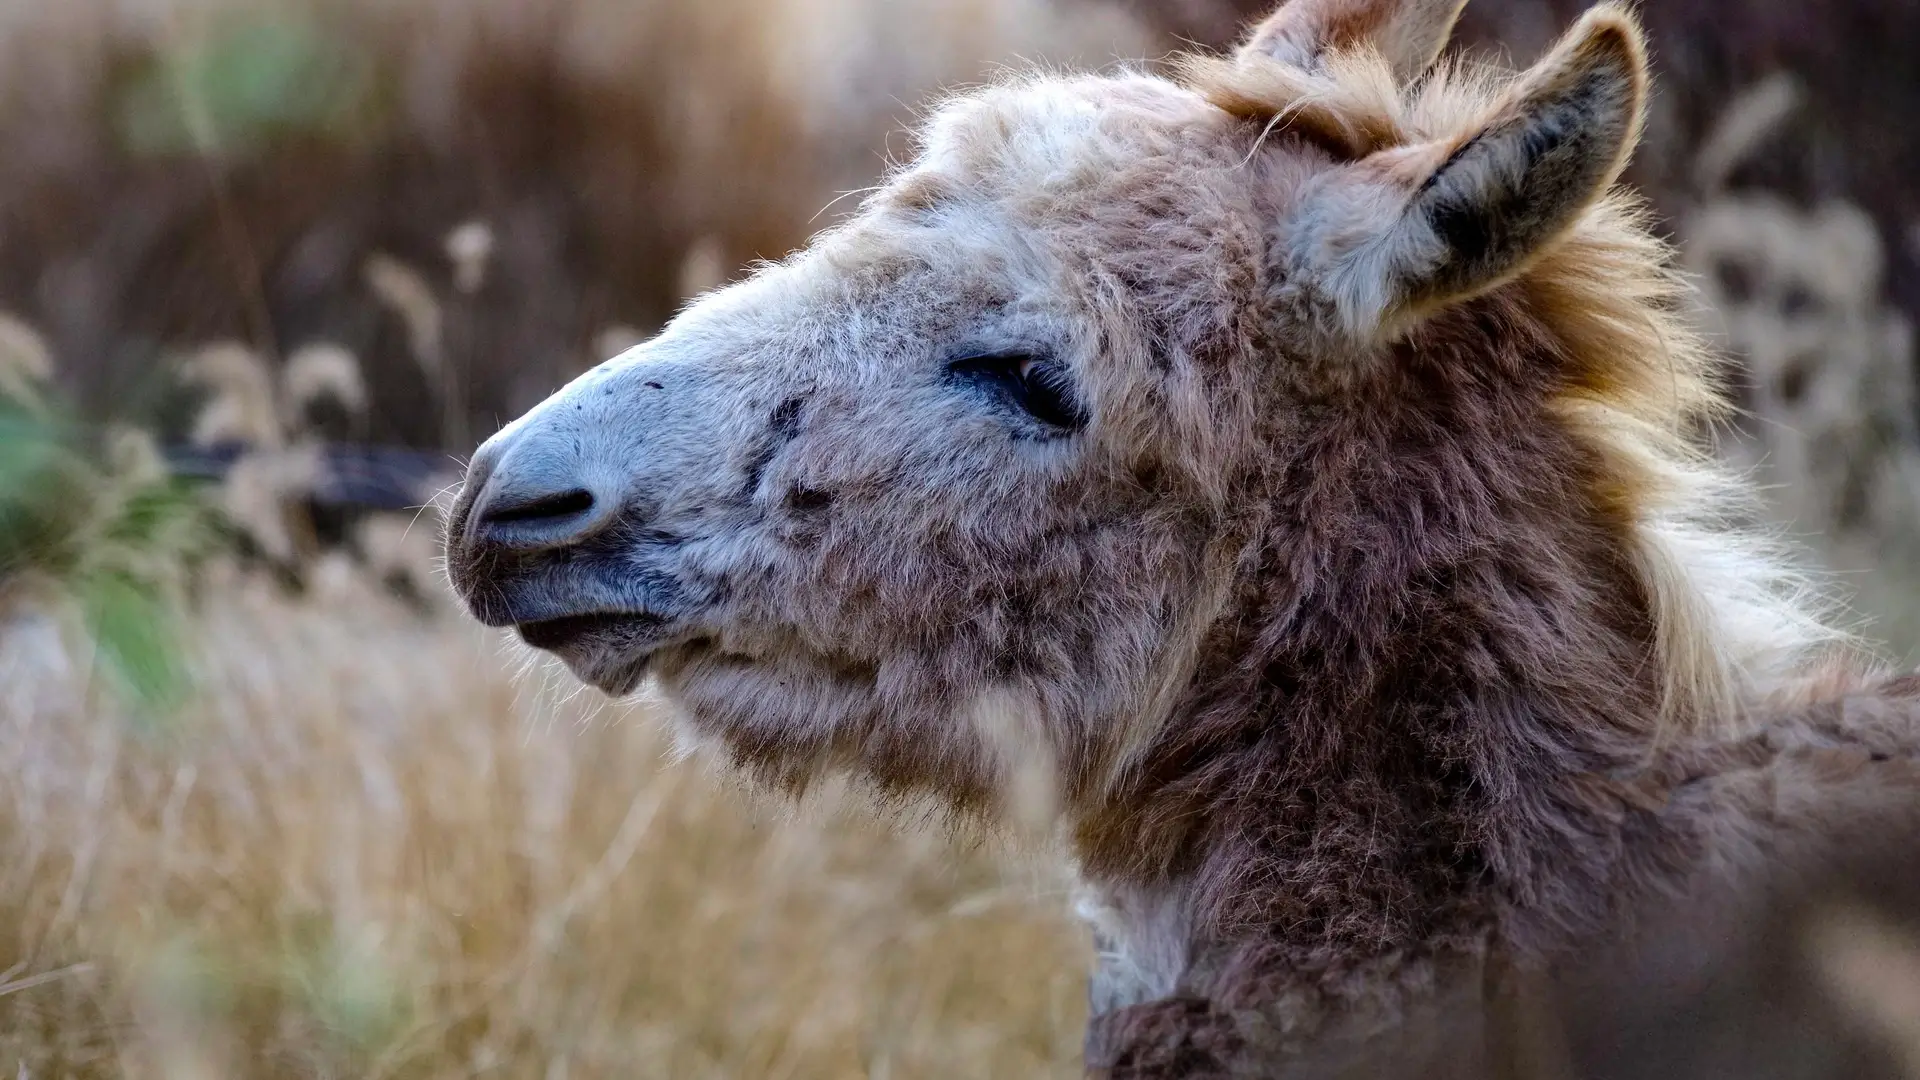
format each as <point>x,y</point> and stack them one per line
<point>560,504</point>
<point>531,519</point>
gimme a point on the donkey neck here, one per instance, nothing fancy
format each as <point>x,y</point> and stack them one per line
<point>1443,632</point>
<point>1441,812</point>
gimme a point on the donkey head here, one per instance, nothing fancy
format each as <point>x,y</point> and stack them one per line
<point>983,471</point>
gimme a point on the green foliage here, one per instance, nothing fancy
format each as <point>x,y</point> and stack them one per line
<point>38,479</point>
<point>114,536</point>
<point>33,472</point>
<point>342,979</point>
<point>336,979</point>
<point>133,628</point>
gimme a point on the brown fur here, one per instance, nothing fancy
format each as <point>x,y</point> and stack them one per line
<point>1716,848</point>
<point>1408,35</point>
<point>1408,751</point>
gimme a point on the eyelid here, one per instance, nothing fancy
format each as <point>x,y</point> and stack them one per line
<point>1009,357</point>
<point>1029,380</point>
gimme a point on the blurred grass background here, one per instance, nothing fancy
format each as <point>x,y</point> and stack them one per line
<point>269,808</point>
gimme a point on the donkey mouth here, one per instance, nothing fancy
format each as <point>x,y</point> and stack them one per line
<point>594,610</point>
<point>606,649</point>
<point>567,631</point>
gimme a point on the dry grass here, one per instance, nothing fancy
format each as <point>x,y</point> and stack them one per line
<point>366,849</point>
<point>469,195</point>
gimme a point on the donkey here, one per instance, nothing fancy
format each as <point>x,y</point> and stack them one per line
<point>1297,459</point>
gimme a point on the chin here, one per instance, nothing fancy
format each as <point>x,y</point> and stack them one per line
<point>614,676</point>
<point>613,654</point>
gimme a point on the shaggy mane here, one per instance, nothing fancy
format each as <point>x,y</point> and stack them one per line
<point>1737,622</point>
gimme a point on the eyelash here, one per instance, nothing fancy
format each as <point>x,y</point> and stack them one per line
<point>1033,383</point>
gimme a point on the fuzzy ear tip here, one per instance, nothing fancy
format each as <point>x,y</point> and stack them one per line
<point>1608,39</point>
<point>1613,30</point>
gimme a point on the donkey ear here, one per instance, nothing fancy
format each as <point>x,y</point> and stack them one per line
<point>1409,33</point>
<point>1415,227</point>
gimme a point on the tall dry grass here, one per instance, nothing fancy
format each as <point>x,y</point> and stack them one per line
<point>360,846</point>
<point>472,196</point>
<point>364,848</point>
<point>1822,363</point>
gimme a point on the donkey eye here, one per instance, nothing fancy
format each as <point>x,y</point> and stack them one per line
<point>1034,383</point>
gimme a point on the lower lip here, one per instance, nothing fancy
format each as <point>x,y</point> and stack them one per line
<point>554,635</point>
<point>625,680</point>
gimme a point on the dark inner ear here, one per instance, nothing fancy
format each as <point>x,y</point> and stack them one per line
<point>1507,191</point>
<point>1481,233</point>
